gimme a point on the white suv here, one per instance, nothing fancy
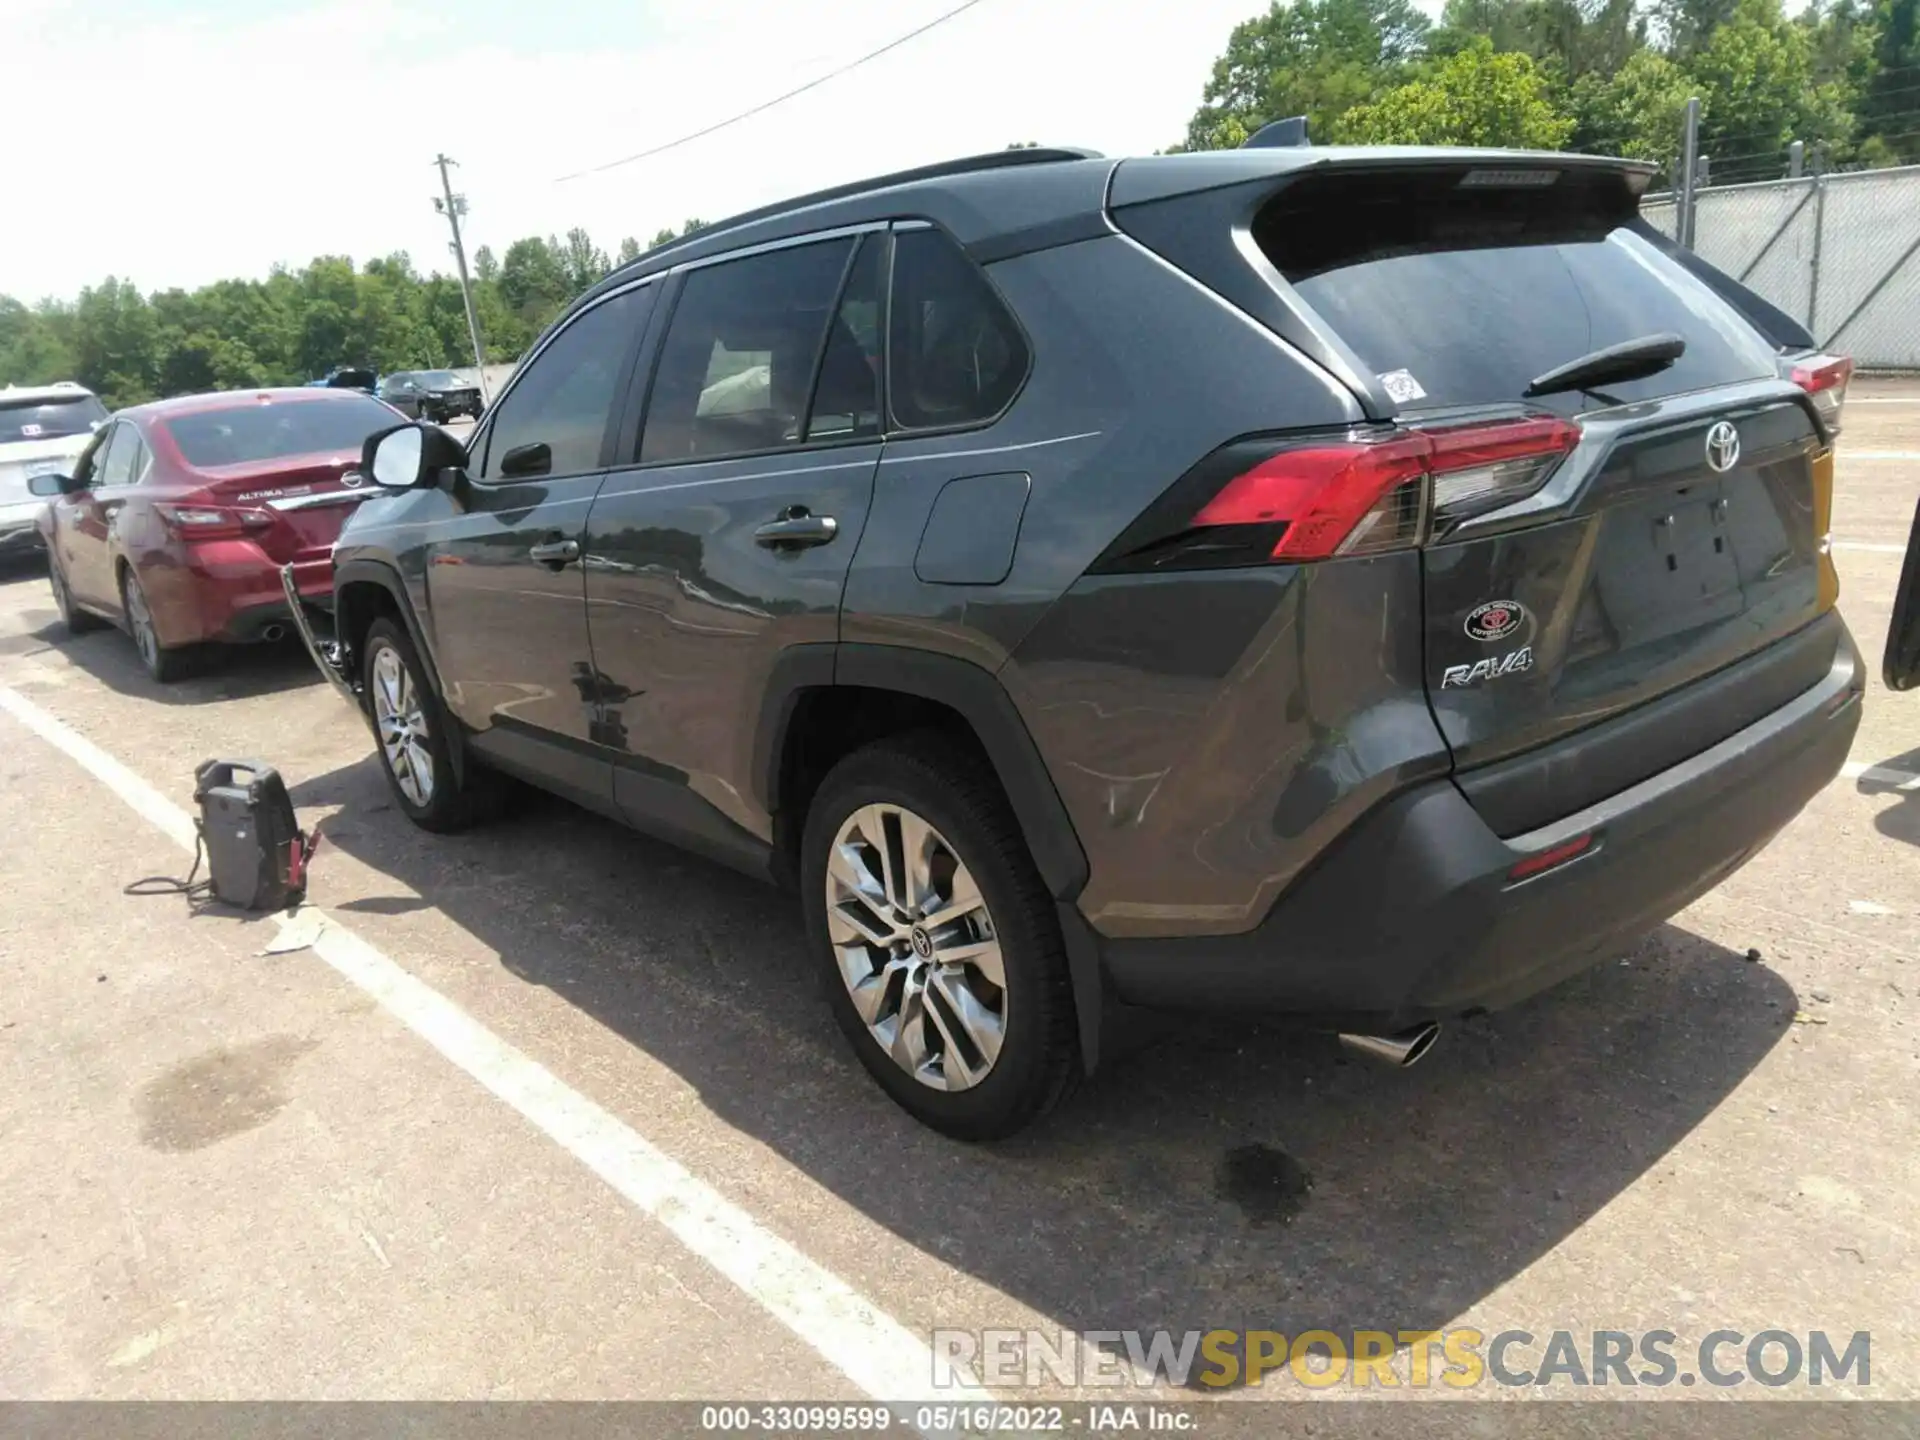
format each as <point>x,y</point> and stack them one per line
<point>43,429</point>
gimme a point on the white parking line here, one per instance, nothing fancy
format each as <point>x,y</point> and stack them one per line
<point>1880,454</point>
<point>842,1326</point>
<point>1880,775</point>
<point>1883,400</point>
<point>1876,547</point>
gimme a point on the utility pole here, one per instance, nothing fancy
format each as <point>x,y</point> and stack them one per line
<point>453,207</point>
<point>1689,178</point>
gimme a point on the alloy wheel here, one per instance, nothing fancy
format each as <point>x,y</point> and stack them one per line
<point>400,721</point>
<point>140,622</point>
<point>916,947</point>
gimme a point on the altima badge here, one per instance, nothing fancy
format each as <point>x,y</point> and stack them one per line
<point>1514,661</point>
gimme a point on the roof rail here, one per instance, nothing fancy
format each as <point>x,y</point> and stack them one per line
<point>965,165</point>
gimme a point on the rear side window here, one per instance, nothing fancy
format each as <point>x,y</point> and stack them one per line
<point>1461,294</point>
<point>737,368</point>
<point>257,430</point>
<point>955,355</point>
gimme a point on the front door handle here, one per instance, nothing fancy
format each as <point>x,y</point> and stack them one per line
<point>555,552</point>
<point>797,529</point>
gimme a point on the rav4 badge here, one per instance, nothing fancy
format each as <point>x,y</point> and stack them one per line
<point>1511,663</point>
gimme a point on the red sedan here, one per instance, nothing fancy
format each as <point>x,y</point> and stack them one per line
<point>180,513</point>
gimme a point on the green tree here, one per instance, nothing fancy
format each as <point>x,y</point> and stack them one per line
<point>1889,108</point>
<point>1315,58</point>
<point>585,263</point>
<point>533,281</point>
<point>1755,80</point>
<point>1473,97</point>
<point>486,269</point>
<point>1636,111</point>
<point>666,236</point>
<point>115,343</point>
<point>629,251</point>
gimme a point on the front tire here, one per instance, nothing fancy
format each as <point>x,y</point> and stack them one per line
<point>75,620</point>
<point>163,664</point>
<point>938,943</point>
<point>410,732</point>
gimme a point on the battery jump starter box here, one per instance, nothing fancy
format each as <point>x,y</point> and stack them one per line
<point>256,852</point>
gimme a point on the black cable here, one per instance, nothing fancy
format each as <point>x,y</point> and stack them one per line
<point>168,885</point>
<point>776,100</point>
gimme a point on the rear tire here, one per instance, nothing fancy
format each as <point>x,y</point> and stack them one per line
<point>978,1044</point>
<point>163,664</point>
<point>75,620</point>
<point>410,728</point>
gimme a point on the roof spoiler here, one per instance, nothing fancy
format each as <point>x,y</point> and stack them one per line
<point>1289,132</point>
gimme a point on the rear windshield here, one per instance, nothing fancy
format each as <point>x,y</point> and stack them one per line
<point>1462,295</point>
<point>49,419</point>
<point>249,433</point>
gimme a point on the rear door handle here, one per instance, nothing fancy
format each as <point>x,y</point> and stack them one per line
<point>555,552</point>
<point>797,529</point>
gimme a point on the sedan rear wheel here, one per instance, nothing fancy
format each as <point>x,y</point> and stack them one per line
<point>162,663</point>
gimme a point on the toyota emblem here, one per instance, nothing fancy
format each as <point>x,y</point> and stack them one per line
<point>1723,446</point>
<point>353,479</point>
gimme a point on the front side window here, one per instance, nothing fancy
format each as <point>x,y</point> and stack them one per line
<point>955,355</point>
<point>563,400</point>
<point>737,367</point>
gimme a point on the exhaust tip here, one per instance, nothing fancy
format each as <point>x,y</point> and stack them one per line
<point>271,633</point>
<point>1401,1051</point>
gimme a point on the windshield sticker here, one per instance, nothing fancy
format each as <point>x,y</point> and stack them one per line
<point>1401,386</point>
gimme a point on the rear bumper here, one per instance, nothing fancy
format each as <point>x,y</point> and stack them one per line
<point>20,526</point>
<point>1412,915</point>
<point>227,591</point>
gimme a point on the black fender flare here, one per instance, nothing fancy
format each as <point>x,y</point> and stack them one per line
<point>373,572</point>
<point>978,697</point>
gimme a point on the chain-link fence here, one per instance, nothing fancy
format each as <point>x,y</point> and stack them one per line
<point>1839,253</point>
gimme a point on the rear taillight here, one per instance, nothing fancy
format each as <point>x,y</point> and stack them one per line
<point>212,522</point>
<point>1261,502</point>
<point>1825,377</point>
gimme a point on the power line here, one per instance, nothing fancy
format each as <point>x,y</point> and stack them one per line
<point>766,105</point>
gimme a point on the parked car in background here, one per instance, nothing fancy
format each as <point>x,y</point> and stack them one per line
<point>1413,593</point>
<point>43,430</point>
<point>436,395</point>
<point>348,377</point>
<point>174,521</point>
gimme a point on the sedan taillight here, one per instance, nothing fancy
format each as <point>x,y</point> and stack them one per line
<point>212,522</point>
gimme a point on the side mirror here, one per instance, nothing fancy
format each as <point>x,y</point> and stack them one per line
<point>49,486</point>
<point>534,459</point>
<point>409,456</point>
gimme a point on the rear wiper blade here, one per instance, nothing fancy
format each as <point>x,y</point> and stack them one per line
<point>1629,360</point>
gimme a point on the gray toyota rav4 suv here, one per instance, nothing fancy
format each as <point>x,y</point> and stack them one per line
<point>1360,585</point>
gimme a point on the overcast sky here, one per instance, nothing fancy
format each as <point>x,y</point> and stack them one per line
<point>176,142</point>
